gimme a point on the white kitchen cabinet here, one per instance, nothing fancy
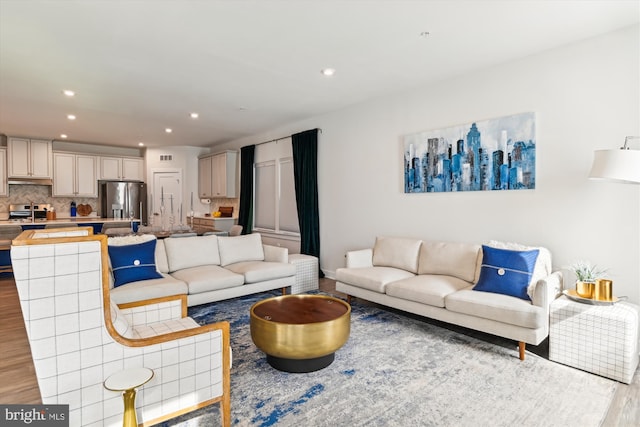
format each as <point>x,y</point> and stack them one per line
<point>29,158</point>
<point>132,169</point>
<point>204,177</point>
<point>4,190</point>
<point>217,174</point>
<point>75,175</point>
<point>121,168</point>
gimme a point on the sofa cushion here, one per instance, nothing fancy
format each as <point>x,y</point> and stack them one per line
<point>543,267</point>
<point>240,248</point>
<point>371,278</point>
<point>506,272</point>
<point>154,329</point>
<point>427,289</point>
<point>133,262</point>
<point>451,259</point>
<point>207,278</point>
<point>397,252</point>
<point>260,271</point>
<point>147,289</point>
<point>193,251</point>
<point>161,257</point>
<point>501,308</point>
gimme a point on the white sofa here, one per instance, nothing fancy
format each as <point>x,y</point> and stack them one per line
<point>208,268</point>
<point>436,280</point>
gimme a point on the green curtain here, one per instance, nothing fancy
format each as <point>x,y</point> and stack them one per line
<point>245,211</point>
<point>305,175</point>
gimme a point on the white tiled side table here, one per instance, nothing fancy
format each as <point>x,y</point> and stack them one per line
<point>306,273</point>
<point>601,339</point>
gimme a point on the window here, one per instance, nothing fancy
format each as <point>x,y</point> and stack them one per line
<point>275,208</point>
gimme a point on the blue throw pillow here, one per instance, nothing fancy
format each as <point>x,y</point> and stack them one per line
<point>506,272</point>
<point>131,263</point>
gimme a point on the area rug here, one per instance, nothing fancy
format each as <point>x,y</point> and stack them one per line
<point>398,371</point>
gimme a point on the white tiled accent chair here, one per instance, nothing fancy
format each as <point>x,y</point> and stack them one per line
<point>78,338</point>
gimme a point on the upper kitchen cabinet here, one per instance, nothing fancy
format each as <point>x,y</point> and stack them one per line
<point>122,168</point>
<point>204,177</point>
<point>29,158</point>
<point>4,190</point>
<point>75,175</point>
<point>217,175</point>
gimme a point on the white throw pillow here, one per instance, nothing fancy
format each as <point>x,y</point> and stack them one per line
<point>397,252</point>
<point>129,240</point>
<point>240,248</point>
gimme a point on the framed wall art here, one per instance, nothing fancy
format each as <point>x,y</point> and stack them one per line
<point>489,155</point>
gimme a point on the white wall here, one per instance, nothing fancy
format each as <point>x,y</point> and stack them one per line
<point>185,159</point>
<point>586,97</point>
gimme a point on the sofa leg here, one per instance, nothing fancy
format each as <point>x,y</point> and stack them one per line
<point>349,299</point>
<point>521,347</point>
<point>284,291</point>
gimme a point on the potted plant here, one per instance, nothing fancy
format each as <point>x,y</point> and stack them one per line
<point>586,274</point>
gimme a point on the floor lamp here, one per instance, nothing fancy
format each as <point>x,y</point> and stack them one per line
<point>622,165</point>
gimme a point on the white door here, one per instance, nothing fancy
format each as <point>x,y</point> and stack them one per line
<point>167,190</point>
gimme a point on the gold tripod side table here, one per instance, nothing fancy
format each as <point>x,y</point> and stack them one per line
<point>127,381</point>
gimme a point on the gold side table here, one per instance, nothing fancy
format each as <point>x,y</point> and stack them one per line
<point>127,381</point>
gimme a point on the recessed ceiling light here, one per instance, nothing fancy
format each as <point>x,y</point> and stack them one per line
<point>194,115</point>
<point>141,144</point>
<point>68,93</point>
<point>63,136</point>
<point>328,72</point>
<point>71,117</point>
<point>168,130</point>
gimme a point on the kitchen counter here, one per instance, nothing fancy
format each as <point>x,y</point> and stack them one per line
<point>214,223</point>
<point>88,221</point>
<point>77,219</point>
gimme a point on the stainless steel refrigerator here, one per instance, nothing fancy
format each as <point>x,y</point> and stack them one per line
<point>119,199</point>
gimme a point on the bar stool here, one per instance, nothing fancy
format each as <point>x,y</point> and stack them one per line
<point>7,234</point>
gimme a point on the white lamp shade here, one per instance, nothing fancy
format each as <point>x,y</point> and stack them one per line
<point>617,165</point>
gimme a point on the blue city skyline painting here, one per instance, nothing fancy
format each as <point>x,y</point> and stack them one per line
<point>496,154</point>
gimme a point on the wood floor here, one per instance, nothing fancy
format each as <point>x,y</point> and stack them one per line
<point>18,382</point>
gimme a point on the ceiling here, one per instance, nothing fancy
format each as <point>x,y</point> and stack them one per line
<point>140,66</point>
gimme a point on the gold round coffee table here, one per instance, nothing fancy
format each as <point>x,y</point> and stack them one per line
<point>300,333</point>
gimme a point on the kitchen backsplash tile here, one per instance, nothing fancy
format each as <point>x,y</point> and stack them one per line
<point>24,194</point>
<point>217,202</point>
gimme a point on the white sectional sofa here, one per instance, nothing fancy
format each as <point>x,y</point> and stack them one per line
<point>204,268</point>
<point>437,280</point>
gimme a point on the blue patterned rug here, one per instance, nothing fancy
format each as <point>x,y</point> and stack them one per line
<point>399,371</point>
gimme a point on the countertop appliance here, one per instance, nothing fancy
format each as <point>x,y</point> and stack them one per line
<point>22,213</point>
<point>123,200</point>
